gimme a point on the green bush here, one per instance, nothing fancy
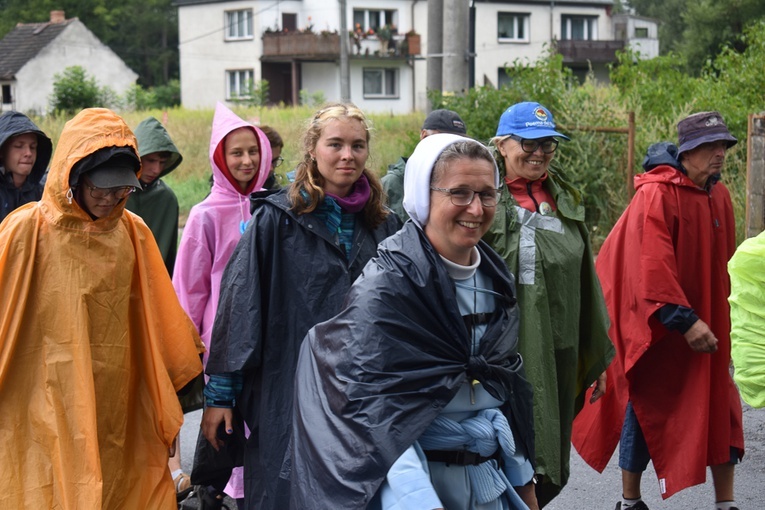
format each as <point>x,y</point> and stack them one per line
<point>314,100</point>
<point>159,97</point>
<point>257,95</point>
<point>73,90</point>
<point>167,95</point>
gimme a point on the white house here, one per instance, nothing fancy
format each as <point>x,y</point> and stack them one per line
<point>33,53</point>
<point>227,45</point>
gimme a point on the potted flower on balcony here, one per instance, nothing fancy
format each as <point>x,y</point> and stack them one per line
<point>384,35</point>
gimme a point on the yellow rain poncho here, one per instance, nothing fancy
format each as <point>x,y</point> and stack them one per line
<point>93,346</point>
<point>747,315</point>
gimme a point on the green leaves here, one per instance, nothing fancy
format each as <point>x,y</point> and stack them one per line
<point>73,90</point>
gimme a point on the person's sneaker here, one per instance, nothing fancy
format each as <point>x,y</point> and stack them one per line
<point>637,506</point>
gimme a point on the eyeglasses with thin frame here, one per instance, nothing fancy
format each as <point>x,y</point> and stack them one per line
<point>462,197</point>
<point>100,193</point>
<point>530,146</point>
<point>277,161</point>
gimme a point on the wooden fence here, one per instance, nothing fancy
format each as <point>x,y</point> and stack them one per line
<point>755,175</point>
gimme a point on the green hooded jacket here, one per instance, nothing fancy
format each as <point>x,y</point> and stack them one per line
<point>156,203</point>
<point>564,321</point>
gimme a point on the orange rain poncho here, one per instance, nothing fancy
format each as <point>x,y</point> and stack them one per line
<point>93,346</point>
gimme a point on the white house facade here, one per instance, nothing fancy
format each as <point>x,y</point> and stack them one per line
<point>226,46</point>
<point>33,53</point>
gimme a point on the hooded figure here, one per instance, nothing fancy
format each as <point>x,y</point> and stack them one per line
<point>215,225</point>
<point>663,268</point>
<point>154,201</point>
<point>212,231</point>
<point>93,343</point>
<point>13,124</point>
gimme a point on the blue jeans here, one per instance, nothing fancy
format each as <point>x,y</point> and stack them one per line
<point>633,452</point>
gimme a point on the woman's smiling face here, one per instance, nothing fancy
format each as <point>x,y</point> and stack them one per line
<point>454,230</point>
<point>519,163</point>
<point>341,153</point>
<point>242,155</point>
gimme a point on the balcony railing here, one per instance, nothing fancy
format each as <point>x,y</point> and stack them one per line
<point>574,52</point>
<point>326,46</point>
<point>308,46</point>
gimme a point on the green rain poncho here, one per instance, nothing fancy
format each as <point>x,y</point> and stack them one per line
<point>564,322</point>
<point>747,314</point>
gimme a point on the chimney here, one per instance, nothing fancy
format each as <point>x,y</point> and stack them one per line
<point>57,17</point>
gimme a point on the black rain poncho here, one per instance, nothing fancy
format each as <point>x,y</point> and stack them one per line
<point>286,274</point>
<point>372,379</point>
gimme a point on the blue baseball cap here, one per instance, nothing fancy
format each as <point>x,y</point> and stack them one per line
<point>528,120</point>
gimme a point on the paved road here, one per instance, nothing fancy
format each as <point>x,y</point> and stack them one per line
<point>590,490</point>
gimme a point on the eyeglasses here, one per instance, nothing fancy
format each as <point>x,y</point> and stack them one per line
<point>548,145</point>
<point>99,193</point>
<point>462,197</point>
<point>277,161</point>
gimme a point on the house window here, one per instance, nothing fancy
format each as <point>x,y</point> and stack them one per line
<point>579,28</point>
<point>512,27</point>
<point>239,24</point>
<point>7,94</point>
<point>641,32</point>
<point>239,83</point>
<point>373,19</point>
<point>380,83</point>
<point>503,80</point>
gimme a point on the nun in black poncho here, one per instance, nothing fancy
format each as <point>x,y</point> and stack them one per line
<point>414,395</point>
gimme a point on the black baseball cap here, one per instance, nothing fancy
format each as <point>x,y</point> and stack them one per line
<point>445,121</point>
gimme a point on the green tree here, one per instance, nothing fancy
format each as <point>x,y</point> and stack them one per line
<point>699,29</point>
<point>73,90</point>
<point>710,26</point>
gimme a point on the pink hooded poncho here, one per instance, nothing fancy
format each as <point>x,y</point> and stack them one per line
<point>213,229</point>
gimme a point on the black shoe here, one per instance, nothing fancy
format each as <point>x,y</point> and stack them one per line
<point>637,506</point>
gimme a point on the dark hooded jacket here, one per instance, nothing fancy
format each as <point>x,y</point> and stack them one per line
<point>11,197</point>
<point>155,202</point>
<point>287,273</point>
<point>372,379</point>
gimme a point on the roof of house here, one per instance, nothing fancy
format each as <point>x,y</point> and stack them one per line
<point>24,42</point>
